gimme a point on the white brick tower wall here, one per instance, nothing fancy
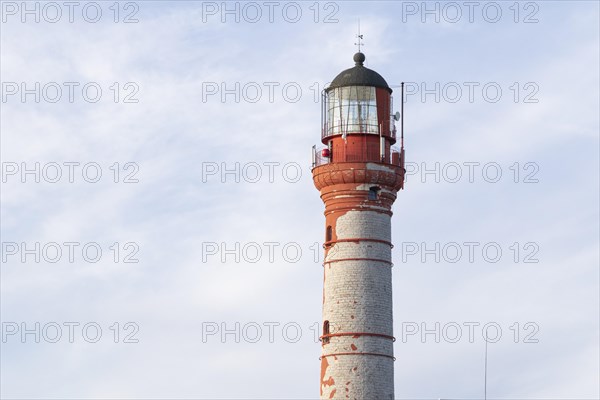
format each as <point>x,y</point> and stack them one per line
<point>357,359</point>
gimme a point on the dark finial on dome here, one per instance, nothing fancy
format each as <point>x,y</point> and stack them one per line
<point>359,58</point>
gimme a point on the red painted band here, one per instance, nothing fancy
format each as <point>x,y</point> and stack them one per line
<point>359,334</point>
<point>358,354</point>
<point>359,259</point>
<point>337,208</point>
<point>331,242</point>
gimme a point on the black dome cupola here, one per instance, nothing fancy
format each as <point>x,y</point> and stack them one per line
<point>359,75</point>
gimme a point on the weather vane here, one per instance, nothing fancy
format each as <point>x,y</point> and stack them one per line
<point>359,37</point>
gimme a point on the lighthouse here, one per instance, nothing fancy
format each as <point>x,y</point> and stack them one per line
<point>358,173</point>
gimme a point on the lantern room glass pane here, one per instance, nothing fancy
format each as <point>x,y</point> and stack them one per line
<point>352,109</point>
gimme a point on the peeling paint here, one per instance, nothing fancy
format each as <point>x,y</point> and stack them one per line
<point>329,382</point>
<point>380,167</point>
<point>324,366</point>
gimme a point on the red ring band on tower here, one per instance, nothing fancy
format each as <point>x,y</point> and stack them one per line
<point>359,259</point>
<point>358,354</point>
<point>341,209</point>
<point>358,334</point>
<point>331,242</point>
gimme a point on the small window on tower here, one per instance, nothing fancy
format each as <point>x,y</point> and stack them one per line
<point>325,332</point>
<point>328,234</point>
<point>374,192</point>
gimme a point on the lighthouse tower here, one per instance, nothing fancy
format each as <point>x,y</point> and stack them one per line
<point>358,174</point>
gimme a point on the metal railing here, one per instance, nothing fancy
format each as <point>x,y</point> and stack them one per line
<point>369,154</point>
<point>327,132</point>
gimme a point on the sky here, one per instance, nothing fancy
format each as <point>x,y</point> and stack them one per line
<point>161,234</point>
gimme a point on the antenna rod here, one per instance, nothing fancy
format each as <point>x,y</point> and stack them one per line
<point>359,37</point>
<point>485,373</point>
<point>402,117</point>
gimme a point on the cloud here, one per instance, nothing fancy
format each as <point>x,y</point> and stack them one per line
<point>176,131</point>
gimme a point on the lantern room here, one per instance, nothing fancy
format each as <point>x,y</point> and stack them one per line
<point>358,124</point>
